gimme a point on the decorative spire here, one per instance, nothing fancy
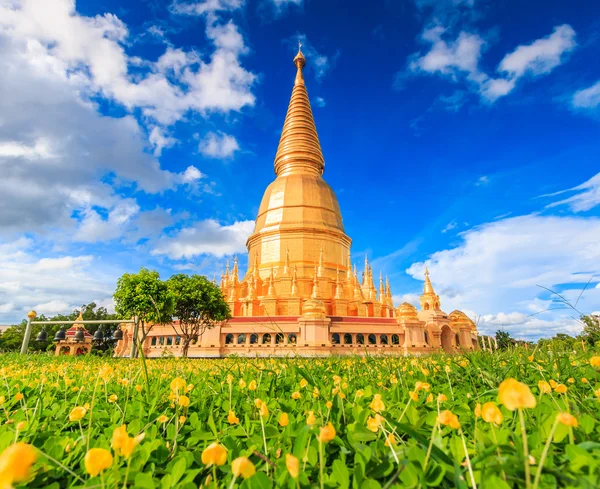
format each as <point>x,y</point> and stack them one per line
<point>271,291</point>
<point>348,267</point>
<point>286,266</point>
<point>338,285</point>
<point>320,270</point>
<point>388,293</point>
<point>315,290</point>
<point>227,273</point>
<point>382,298</point>
<point>357,291</point>
<point>428,289</point>
<point>234,272</point>
<point>299,149</point>
<point>251,292</point>
<point>294,292</point>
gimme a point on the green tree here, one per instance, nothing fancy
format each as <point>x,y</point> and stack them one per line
<point>145,296</point>
<point>591,329</point>
<point>504,340</point>
<point>198,305</point>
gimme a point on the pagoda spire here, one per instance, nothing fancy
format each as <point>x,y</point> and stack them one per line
<point>428,289</point>
<point>294,292</point>
<point>315,290</point>
<point>299,148</point>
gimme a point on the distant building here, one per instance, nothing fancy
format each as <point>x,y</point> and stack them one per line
<point>300,294</point>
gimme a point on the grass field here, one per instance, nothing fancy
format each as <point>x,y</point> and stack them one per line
<point>438,421</point>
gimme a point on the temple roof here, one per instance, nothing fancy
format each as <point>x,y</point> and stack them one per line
<point>299,148</point>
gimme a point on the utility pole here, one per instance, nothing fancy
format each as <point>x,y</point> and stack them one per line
<point>31,315</point>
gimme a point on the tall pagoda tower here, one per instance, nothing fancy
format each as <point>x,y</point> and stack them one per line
<point>299,249</point>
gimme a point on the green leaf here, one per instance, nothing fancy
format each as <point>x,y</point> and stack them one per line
<point>178,470</point>
<point>495,482</point>
<point>143,481</point>
<point>340,474</point>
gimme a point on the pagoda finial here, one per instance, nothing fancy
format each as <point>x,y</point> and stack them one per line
<point>428,289</point>
<point>299,149</point>
<point>300,62</point>
<point>348,267</point>
<point>234,273</point>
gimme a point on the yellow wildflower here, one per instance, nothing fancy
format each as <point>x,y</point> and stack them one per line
<point>177,384</point>
<point>243,467</point>
<point>162,419</point>
<point>284,419</point>
<point>544,387</point>
<point>96,460</point>
<point>214,454</point>
<point>293,465</point>
<point>377,404</point>
<point>567,419</point>
<point>77,413</point>
<point>561,388</point>
<point>327,433</point>
<point>448,418</point>
<point>15,463</point>
<point>264,410</point>
<point>19,396</point>
<point>310,418</point>
<point>515,395</point>
<point>595,361</point>
<point>303,383</point>
<point>491,414</point>
<point>232,418</point>
<point>184,401</point>
<point>296,395</point>
<point>251,387</point>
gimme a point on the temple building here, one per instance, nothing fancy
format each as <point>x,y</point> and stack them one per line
<point>301,294</point>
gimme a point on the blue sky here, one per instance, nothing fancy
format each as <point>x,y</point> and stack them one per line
<point>459,134</point>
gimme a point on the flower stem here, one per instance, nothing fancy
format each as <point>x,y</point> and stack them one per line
<point>232,482</point>
<point>429,448</point>
<point>462,436</point>
<point>321,464</point>
<point>525,450</point>
<point>538,473</point>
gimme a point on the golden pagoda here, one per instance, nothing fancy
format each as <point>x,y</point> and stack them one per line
<point>301,293</point>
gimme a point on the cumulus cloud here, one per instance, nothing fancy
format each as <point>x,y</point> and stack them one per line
<point>218,145</point>
<point>499,266</point>
<point>49,285</point>
<point>205,237</point>
<point>206,6</point>
<point>458,58</point>
<point>60,158</point>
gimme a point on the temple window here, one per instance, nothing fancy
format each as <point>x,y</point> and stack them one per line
<point>153,341</point>
<point>426,306</point>
<point>229,339</point>
<point>360,339</point>
<point>161,340</point>
<point>169,340</point>
<point>347,339</point>
<point>335,339</point>
<point>253,339</point>
<point>395,339</point>
<point>241,339</point>
<point>426,337</point>
<point>292,338</point>
<point>383,339</point>
<point>372,339</point>
<point>178,340</point>
<point>266,338</point>
<point>457,339</point>
<point>278,339</point>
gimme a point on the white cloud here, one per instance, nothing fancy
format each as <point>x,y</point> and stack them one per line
<point>450,226</point>
<point>92,49</point>
<point>458,59</point>
<point>159,139</point>
<point>449,58</point>
<point>218,145</point>
<point>206,6</point>
<point>586,198</point>
<point>205,237</point>
<point>587,98</point>
<point>499,267</point>
<point>541,56</point>
<point>320,102</point>
<point>49,285</point>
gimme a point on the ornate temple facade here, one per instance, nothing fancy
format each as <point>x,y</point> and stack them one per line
<point>301,295</point>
